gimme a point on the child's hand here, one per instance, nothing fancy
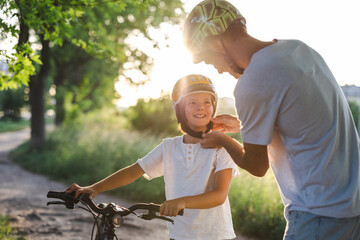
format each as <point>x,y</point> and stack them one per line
<point>172,207</point>
<point>79,190</point>
<point>211,139</point>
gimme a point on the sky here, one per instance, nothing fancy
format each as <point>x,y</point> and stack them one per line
<point>331,27</point>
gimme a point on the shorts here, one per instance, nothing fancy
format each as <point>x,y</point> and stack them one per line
<point>307,226</point>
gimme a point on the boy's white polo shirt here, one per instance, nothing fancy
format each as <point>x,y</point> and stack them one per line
<point>189,169</point>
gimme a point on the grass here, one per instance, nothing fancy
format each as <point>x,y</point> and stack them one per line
<point>87,151</point>
<point>10,126</point>
<point>256,206</point>
<point>6,230</point>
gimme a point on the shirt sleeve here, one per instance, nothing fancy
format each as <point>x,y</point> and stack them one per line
<point>152,163</point>
<point>257,112</point>
<point>224,161</point>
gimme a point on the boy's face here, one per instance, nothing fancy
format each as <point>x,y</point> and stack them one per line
<point>198,110</point>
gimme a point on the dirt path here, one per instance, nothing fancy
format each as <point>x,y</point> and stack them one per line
<point>23,196</point>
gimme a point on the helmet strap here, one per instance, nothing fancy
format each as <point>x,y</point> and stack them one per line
<point>193,133</point>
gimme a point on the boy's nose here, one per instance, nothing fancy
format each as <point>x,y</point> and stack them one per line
<point>200,106</point>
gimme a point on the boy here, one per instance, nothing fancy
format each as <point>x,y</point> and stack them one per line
<point>196,178</point>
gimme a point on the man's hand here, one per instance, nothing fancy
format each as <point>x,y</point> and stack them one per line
<point>226,123</point>
<point>79,190</point>
<point>172,207</point>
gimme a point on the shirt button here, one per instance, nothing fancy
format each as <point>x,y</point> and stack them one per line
<point>189,152</point>
<point>190,147</point>
<point>189,158</point>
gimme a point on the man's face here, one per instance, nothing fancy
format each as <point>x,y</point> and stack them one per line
<point>214,54</point>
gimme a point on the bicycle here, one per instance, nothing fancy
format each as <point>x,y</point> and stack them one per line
<point>107,216</point>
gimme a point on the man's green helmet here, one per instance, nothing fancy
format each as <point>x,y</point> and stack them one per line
<point>208,18</point>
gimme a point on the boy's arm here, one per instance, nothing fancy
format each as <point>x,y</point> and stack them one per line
<point>120,178</point>
<point>209,199</point>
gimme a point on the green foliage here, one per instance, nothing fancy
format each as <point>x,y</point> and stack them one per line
<point>355,109</point>
<point>11,102</point>
<point>6,230</point>
<point>156,116</point>
<point>5,227</point>
<point>87,65</point>
<point>93,26</point>
<point>256,206</point>
<point>48,18</point>
<point>20,67</point>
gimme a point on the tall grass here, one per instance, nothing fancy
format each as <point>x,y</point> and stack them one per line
<point>87,151</point>
<point>256,206</point>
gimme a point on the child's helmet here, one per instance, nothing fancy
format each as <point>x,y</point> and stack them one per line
<point>208,18</point>
<point>193,83</point>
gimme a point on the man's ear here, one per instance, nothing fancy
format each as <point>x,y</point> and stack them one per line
<point>243,21</point>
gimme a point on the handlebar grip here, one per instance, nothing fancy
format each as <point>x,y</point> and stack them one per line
<point>61,195</point>
<point>156,207</point>
<point>68,198</point>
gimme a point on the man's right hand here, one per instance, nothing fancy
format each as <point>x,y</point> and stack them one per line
<point>226,123</point>
<point>79,190</point>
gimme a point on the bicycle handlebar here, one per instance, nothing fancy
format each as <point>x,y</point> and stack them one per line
<point>69,201</point>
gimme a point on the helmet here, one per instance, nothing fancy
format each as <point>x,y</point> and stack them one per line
<point>209,17</point>
<point>193,83</point>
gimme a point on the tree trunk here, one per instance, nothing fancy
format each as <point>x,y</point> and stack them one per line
<point>37,101</point>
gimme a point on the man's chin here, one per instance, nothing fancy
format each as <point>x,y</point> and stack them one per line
<point>236,75</point>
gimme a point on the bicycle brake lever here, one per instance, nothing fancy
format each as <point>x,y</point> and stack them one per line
<point>151,215</point>
<point>166,219</point>
<point>55,203</point>
<point>69,206</point>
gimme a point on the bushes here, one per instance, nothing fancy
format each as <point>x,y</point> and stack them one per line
<point>156,116</point>
<point>256,206</point>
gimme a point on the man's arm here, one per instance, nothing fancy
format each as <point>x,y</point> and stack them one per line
<point>205,200</point>
<point>251,157</point>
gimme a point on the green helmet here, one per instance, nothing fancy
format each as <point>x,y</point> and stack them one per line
<point>208,18</point>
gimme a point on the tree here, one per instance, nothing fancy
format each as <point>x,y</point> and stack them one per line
<point>85,73</point>
<point>50,22</point>
<point>54,22</point>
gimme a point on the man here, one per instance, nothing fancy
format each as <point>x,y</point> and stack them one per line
<point>294,118</point>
